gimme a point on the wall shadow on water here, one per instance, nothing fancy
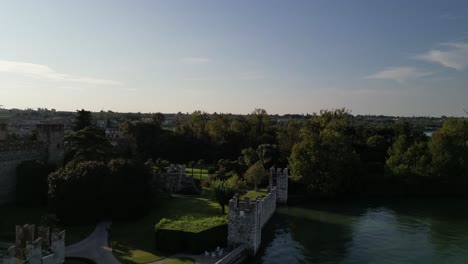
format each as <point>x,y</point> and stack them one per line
<point>359,231</point>
<point>308,234</point>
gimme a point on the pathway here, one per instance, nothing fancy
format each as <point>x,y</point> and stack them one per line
<point>199,259</point>
<point>95,246</point>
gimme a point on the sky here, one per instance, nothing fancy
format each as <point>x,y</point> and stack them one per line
<point>406,58</point>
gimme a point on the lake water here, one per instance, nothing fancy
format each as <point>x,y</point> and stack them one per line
<point>416,231</point>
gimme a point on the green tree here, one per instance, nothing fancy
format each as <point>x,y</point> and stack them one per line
<point>90,190</point>
<point>224,190</point>
<point>89,143</point>
<point>250,156</point>
<point>76,191</point>
<point>218,127</point>
<point>255,174</point>
<point>288,136</point>
<point>82,120</point>
<point>324,160</point>
<point>268,154</point>
<point>260,121</point>
<point>449,149</point>
<point>408,161</point>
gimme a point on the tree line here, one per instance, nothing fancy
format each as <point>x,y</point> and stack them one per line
<point>330,154</point>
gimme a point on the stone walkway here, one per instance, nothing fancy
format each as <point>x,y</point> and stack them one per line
<point>95,246</point>
<point>199,259</point>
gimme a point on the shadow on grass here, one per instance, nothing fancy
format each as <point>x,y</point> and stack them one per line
<point>133,242</point>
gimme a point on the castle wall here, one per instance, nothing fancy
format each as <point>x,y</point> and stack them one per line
<point>48,147</point>
<point>247,218</point>
<point>11,155</point>
<point>52,136</point>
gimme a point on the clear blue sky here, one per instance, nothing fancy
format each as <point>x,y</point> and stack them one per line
<point>373,57</point>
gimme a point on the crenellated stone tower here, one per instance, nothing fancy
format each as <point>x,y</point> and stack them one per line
<point>246,218</point>
<point>280,177</point>
<point>52,136</point>
<point>48,247</point>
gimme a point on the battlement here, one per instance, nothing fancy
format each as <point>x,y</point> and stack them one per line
<point>47,247</point>
<point>280,177</point>
<point>248,205</point>
<point>21,145</point>
<point>50,127</point>
<point>247,217</point>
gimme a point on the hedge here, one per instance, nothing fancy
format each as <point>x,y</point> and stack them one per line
<point>173,241</point>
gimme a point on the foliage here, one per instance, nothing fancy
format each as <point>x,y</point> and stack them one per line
<point>118,189</point>
<point>255,174</point>
<point>268,154</point>
<point>83,119</point>
<point>250,156</point>
<point>87,144</point>
<point>224,190</point>
<point>190,223</point>
<point>449,149</point>
<point>134,241</point>
<point>408,161</point>
<point>31,183</point>
<point>324,160</point>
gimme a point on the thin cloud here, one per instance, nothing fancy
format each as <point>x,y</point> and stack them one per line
<point>454,56</point>
<point>45,72</point>
<point>399,74</point>
<point>195,60</point>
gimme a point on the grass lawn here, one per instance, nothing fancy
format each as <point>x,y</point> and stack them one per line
<point>13,215</point>
<point>253,194</point>
<point>133,242</point>
<point>179,261</point>
<point>196,173</point>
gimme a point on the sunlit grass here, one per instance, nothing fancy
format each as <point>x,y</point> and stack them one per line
<point>133,242</point>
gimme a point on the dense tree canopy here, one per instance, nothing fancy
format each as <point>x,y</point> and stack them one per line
<point>255,174</point>
<point>224,190</point>
<point>90,190</point>
<point>89,143</point>
<point>324,160</point>
<point>82,120</point>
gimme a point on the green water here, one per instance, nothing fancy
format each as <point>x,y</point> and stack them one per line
<point>417,231</point>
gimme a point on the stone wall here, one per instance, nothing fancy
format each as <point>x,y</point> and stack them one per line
<point>47,247</point>
<point>280,177</point>
<point>176,181</point>
<point>48,147</point>
<point>247,218</point>
<point>11,155</point>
